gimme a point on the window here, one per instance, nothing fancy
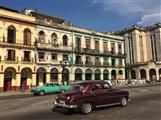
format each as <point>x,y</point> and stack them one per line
<point>11,55</point>
<point>97,61</point>
<point>53,39</point>
<point>65,40</point>
<point>78,44</point>
<point>113,61</point>
<point>105,46</point>
<point>88,60</point>
<point>78,59</point>
<point>105,61</point>
<point>112,48</point>
<point>41,55</point>
<point>65,57</point>
<point>97,46</point>
<point>11,36</point>
<point>120,48</point>
<point>88,43</point>
<point>120,61</point>
<point>54,56</point>
<point>27,37</point>
<point>26,56</point>
<point>41,37</point>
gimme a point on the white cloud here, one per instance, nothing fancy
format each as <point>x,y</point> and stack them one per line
<point>150,19</point>
<point>147,9</point>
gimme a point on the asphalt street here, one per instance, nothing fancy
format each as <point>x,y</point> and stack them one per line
<point>145,104</point>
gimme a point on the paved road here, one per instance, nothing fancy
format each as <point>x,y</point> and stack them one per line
<point>145,105</point>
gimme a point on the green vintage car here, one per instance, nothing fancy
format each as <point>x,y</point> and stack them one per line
<point>52,87</point>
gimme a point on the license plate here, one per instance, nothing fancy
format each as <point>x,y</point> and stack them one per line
<point>62,102</point>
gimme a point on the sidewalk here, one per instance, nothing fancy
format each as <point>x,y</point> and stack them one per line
<point>12,95</point>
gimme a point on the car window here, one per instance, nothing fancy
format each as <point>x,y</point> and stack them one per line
<point>106,85</point>
<point>97,87</point>
<point>55,84</point>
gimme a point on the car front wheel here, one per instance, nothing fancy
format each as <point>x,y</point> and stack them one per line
<point>86,108</point>
<point>123,102</point>
<point>41,93</point>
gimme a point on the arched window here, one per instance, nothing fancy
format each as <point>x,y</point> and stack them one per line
<point>11,34</point>
<point>41,37</point>
<point>65,40</point>
<point>27,37</point>
<point>54,39</point>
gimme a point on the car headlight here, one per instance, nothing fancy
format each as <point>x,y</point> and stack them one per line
<point>68,98</point>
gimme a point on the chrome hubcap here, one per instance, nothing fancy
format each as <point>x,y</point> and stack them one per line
<point>124,101</point>
<point>87,107</point>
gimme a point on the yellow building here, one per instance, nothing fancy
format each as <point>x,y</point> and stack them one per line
<point>17,56</point>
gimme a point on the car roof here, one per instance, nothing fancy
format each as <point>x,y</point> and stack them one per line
<point>90,82</point>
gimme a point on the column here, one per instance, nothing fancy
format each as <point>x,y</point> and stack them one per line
<point>1,82</point>
<point>93,76</point>
<point>147,75</point>
<point>60,78</point>
<point>157,74</point>
<point>101,76</point>
<point>18,81</point>
<point>48,77</point>
<point>71,76</point>
<point>33,82</point>
<point>83,76</point>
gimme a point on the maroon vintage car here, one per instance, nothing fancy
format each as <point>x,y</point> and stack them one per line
<point>89,95</point>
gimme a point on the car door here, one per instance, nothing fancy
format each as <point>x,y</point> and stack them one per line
<point>110,95</point>
<point>99,94</point>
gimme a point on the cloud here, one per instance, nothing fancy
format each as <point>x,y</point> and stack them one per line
<point>150,19</point>
<point>143,8</point>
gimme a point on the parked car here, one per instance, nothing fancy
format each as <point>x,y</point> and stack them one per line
<point>52,87</point>
<point>88,95</point>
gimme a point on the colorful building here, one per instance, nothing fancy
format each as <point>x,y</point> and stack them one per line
<point>36,48</point>
<point>17,50</point>
<point>143,50</point>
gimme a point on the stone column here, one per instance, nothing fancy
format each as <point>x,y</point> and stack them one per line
<point>93,76</point>
<point>33,82</point>
<point>59,78</point>
<point>101,76</point>
<point>1,82</point>
<point>147,75</point>
<point>83,76</point>
<point>18,81</point>
<point>47,77</point>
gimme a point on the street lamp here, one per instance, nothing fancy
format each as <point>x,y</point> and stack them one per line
<point>63,65</point>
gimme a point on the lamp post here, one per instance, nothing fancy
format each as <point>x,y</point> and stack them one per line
<point>63,65</point>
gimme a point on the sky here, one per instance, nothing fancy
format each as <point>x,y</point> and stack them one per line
<point>98,15</point>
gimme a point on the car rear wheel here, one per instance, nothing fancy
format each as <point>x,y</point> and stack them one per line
<point>41,93</point>
<point>123,102</point>
<point>86,108</point>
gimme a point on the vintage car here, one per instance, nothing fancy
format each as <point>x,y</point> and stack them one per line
<point>88,95</point>
<point>52,87</point>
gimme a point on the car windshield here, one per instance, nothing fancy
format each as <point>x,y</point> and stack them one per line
<point>77,88</point>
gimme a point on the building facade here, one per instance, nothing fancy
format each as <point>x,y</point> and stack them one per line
<point>17,51</point>
<point>36,48</point>
<point>143,50</point>
<point>89,55</point>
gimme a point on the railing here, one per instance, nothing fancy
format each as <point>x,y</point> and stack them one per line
<point>18,42</point>
<point>53,47</point>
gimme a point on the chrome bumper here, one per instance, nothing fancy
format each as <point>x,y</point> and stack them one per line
<point>64,105</point>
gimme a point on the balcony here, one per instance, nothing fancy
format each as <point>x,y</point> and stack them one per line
<point>19,44</point>
<point>9,59</point>
<point>105,64</point>
<point>77,50</point>
<point>98,64</point>
<point>79,63</point>
<point>27,60</point>
<point>55,47</point>
<point>88,63</point>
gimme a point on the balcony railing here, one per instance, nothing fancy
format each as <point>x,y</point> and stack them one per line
<point>79,62</point>
<point>53,47</point>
